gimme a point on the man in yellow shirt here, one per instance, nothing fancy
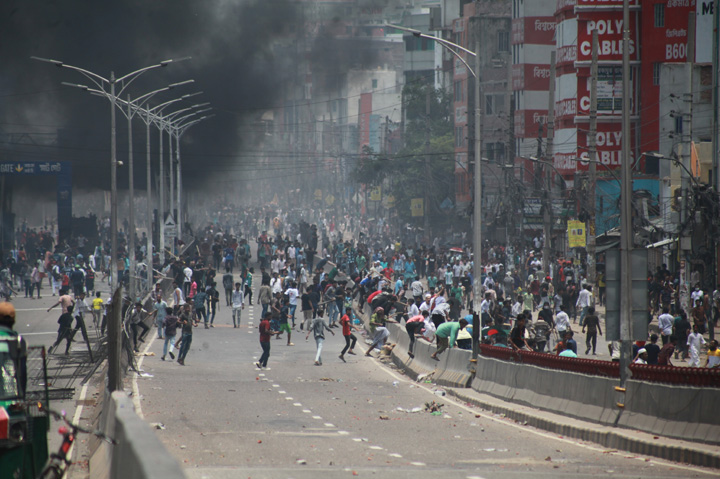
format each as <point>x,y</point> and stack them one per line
<point>713,358</point>
<point>97,308</point>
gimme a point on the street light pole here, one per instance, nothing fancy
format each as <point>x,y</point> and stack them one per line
<point>477,200</point>
<point>626,231</point>
<point>103,83</point>
<point>179,128</point>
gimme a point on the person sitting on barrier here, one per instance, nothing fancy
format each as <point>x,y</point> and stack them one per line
<point>641,357</point>
<point>446,335</point>
<point>517,335</point>
<point>713,355</point>
<point>652,348</point>
<point>413,326</point>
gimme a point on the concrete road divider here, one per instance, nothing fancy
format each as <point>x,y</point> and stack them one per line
<point>451,370</point>
<point>138,454</point>
<point>454,370</point>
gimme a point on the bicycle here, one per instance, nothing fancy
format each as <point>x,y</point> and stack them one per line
<point>60,461</point>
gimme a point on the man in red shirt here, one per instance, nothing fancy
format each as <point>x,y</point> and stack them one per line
<point>265,335</point>
<point>350,338</point>
<point>413,326</point>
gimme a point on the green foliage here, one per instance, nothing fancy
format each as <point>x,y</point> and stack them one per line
<point>426,161</point>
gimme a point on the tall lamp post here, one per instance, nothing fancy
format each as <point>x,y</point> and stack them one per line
<point>164,122</point>
<point>108,87</point>
<point>148,118</point>
<point>136,107</point>
<point>179,128</point>
<point>477,183</point>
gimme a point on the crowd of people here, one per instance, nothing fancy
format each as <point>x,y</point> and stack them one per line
<point>311,263</point>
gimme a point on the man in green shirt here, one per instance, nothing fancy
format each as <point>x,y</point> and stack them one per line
<point>446,335</point>
<point>457,292</point>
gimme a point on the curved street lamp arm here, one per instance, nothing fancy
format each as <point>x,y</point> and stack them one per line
<point>445,43</point>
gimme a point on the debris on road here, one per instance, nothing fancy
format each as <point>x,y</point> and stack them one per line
<point>158,425</point>
<point>433,406</point>
<point>301,462</point>
<point>328,379</point>
<point>439,392</point>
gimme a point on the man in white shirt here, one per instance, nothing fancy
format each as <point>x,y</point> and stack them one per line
<point>277,264</point>
<point>292,294</point>
<point>187,273</point>
<point>238,303</point>
<point>694,342</point>
<point>665,325</point>
<point>696,295</point>
<point>562,322</point>
<point>457,269</point>
<point>413,309</point>
<point>583,302</point>
<point>178,299</point>
<point>276,283</point>
<point>425,306</point>
<point>517,308</point>
<point>417,289</point>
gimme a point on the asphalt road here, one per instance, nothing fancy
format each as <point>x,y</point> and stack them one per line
<point>223,418</point>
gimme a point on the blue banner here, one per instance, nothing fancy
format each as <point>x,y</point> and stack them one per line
<point>63,171</point>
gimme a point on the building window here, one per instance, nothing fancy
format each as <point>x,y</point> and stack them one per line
<point>659,15</point>
<point>459,137</point>
<point>679,124</point>
<point>656,74</point>
<point>374,83</point>
<point>459,91</point>
<point>503,42</point>
<point>494,104</point>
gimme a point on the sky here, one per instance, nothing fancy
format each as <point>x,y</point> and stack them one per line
<point>232,63</point>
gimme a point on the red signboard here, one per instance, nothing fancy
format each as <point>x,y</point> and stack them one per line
<point>531,76</point>
<point>609,90</point>
<point>527,122</point>
<point>608,142</point>
<point>609,26</point>
<point>533,30</point>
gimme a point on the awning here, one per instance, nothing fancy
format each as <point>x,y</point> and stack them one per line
<point>662,243</point>
<point>605,247</point>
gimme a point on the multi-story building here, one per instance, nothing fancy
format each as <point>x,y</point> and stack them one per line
<point>533,41</point>
<point>489,23</point>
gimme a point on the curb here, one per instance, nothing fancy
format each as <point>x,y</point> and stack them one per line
<point>604,436</point>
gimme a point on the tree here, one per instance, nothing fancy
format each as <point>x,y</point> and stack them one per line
<point>426,137</point>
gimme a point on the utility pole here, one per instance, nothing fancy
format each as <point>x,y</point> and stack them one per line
<point>426,201</point>
<point>715,128</point>
<point>148,172</point>
<point>477,207</point>
<point>161,207</point>
<point>685,242</point>
<point>592,167</point>
<point>547,207</point>
<point>626,231</point>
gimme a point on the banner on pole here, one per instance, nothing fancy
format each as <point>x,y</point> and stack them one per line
<point>576,234</point>
<point>416,207</point>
